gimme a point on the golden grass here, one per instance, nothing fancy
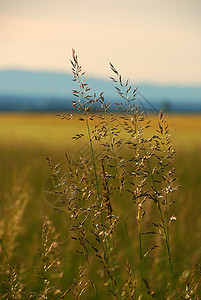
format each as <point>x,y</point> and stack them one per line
<point>47,133</point>
<point>48,130</point>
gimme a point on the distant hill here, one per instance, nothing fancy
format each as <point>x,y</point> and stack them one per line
<point>24,90</point>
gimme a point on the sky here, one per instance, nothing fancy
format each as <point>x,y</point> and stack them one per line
<point>156,41</point>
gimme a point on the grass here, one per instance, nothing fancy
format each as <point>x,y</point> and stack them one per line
<point>113,259</point>
<point>22,161</point>
<point>47,131</point>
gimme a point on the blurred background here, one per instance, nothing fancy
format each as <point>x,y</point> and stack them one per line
<point>156,44</point>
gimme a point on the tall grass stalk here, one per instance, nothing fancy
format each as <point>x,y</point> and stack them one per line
<point>123,91</point>
<point>85,106</point>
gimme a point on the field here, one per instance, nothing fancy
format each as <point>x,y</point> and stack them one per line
<point>24,209</point>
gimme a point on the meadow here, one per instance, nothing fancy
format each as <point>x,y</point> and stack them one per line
<point>100,206</point>
<point>25,139</point>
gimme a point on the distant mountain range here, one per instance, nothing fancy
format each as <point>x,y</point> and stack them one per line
<point>48,91</point>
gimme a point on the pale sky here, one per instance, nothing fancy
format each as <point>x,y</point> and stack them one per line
<point>156,41</point>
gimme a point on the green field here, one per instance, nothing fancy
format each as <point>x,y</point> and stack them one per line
<point>25,139</point>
